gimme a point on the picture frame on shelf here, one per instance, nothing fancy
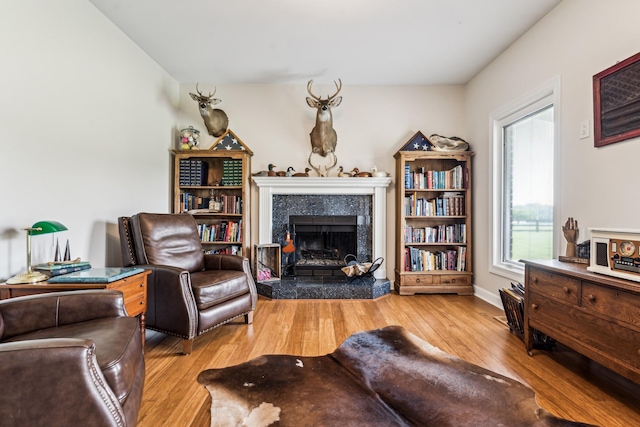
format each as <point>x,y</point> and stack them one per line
<point>616,102</point>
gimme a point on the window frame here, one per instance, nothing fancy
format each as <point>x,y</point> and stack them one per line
<point>545,95</point>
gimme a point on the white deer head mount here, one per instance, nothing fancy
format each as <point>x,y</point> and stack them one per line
<point>323,136</point>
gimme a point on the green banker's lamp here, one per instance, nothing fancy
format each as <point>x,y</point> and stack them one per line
<point>41,227</point>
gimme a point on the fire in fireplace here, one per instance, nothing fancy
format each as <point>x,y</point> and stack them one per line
<point>321,243</point>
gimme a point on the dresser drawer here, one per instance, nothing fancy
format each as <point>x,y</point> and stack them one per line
<point>135,304</point>
<point>453,279</point>
<point>556,286</point>
<point>134,292</point>
<point>417,280</point>
<point>598,338</point>
<point>613,303</point>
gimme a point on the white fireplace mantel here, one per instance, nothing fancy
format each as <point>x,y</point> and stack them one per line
<point>376,187</point>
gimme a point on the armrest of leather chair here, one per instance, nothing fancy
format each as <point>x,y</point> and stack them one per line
<point>31,313</point>
<point>226,262</point>
<point>170,301</point>
<point>233,262</point>
<point>69,389</point>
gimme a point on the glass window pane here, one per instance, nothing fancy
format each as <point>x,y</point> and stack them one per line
<point>528,187</point>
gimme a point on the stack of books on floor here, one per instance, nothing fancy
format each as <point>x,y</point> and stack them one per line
<point>62,267</point>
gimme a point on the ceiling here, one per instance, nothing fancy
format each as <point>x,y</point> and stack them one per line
<point>366,42</point>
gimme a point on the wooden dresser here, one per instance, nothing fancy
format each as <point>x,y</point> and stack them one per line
<point>594,314</point>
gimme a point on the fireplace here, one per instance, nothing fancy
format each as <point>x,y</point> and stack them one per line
<point>317,214</point>
<point>320,242</point>
<point>281,197</point>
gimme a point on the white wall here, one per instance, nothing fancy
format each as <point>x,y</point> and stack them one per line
<point>86,122</point>
<point>578,39</point>
<point>372,124</point>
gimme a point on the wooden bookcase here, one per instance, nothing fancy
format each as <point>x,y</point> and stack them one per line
<point>224,174</point>
<point>433,222</point>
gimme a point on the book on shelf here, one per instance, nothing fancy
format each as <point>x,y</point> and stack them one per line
<point>425,260</point>
<point>454,178</point>
<point>193,172</point>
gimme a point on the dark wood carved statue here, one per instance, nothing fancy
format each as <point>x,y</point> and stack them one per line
<point>215,119</point>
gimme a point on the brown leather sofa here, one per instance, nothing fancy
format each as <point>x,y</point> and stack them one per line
<point>189,293</point>
<point>69,359</point>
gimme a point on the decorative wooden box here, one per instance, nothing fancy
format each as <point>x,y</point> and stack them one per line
<point>267,262</point>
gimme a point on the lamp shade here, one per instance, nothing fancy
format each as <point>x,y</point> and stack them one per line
<point>46,227</point>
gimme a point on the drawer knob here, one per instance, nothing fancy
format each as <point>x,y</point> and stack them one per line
<point>453,280</point>
<point>417,280</point>
<point>592,298</point>
<point>535,280</point>
<point>534,306</point>
<point>566,290</point>
<point>141,302</point>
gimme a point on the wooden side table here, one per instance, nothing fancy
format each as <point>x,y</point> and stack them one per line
<point>133,288</point>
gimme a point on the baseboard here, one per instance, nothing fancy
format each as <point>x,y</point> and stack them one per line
<point>492,298</point>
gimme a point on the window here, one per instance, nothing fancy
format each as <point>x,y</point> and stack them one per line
<point>524,180</point>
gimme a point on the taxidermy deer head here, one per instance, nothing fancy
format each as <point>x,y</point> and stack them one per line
<point>215,119</point>
<point>323,136</point>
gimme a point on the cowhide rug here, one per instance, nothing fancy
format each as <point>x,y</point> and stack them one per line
<point>385,377</point>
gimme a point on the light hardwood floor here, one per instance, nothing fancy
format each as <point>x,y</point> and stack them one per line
<point>566,384</point>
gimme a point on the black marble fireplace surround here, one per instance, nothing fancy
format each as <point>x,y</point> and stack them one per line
<point>286,205</point>
<point>323,284</point>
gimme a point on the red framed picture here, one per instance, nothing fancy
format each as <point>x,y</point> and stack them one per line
<point>616,102</point>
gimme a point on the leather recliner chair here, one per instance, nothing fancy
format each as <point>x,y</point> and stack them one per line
<point>68,359</point>
<point>189,292</point>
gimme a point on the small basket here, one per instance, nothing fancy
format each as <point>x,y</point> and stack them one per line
<point>353,268</point>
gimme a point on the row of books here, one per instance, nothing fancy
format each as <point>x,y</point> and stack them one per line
<point>59,268</point>
<point>223,231</point>
<point>231,204</point>
<point>450,204</point>
<point>416,259</point>
<point>193,172</point>
<point>232,172</point>
<point>191,202</point>
<point>454,178</point>
<point>453,233</point>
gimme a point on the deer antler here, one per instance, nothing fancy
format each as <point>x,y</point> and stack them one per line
<point>200,93</point>
<point>309,90</point>
<point>329,97</point>
<point>339,88</point>
<point>323,170</point>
